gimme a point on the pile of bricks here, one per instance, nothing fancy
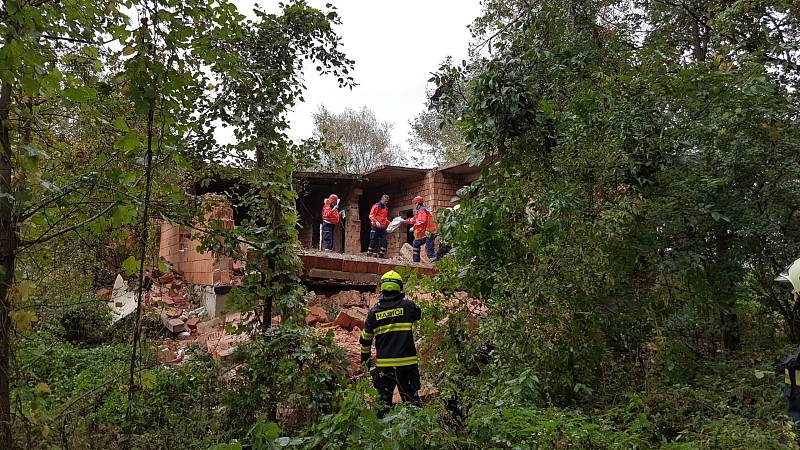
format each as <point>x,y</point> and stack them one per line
<point>351,311</point>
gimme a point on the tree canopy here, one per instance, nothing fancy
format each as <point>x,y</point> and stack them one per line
<point>354,141</point>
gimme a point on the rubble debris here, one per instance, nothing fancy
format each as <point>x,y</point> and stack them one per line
<point>407,252</point>
<point>316,314</point>
<point>166,278</point>
<point>347,341</point>
<point>222,345</point>
<point>346,299</point>
<point>104,293</point>
<point>192,323</point>
<point>350,318</point>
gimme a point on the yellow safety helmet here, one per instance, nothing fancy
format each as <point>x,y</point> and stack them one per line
<point>391,281</point>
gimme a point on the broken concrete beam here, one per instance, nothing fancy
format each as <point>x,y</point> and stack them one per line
<point>340,275</point>
<point>316,314</point>
<point>174,325</point>
<point>351,317</point>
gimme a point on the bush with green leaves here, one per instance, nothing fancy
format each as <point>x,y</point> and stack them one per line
<point>289,375</point>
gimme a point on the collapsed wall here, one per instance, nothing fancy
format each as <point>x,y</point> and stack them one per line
<point>211,273</point>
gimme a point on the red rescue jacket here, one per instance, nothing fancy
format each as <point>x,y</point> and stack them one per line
<point>379,214</point>
<point>423,222</point>
<point>330,215</point>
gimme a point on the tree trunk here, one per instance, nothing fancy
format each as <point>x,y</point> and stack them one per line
<point>8,248</point>
<point>730,330</point>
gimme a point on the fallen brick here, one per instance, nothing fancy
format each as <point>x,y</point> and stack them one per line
<point>351,317</point>
<point>316,314</point>
<point>104,293</point>
<point>192,322</point>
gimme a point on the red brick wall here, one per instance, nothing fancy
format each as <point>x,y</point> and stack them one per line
<point>179,249</point>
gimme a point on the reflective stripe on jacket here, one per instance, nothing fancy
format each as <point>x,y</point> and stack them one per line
<point>389,323</point>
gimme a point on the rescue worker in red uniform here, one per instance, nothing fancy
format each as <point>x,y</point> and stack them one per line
<point>330,217</point>
<point>379,219</point>
<point>424,230</point>
<point>389,323</point>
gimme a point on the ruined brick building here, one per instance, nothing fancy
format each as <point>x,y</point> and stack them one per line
<point>213,274</point>
<point>360,192</point>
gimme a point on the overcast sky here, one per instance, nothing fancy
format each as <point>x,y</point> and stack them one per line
<point>395,45</point>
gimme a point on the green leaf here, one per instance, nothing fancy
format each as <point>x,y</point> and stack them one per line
<point>120,124</point>
<point>79,94</point>
<point>30,86</point>
<point>147,379</point>
<point>128,142</point>
<point>124,215</point>
<point>130,265</point>
<point>23,320</point>
<point>91,52</point>
<point>42,389</point>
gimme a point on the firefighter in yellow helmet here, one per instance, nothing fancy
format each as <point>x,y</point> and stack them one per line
<point>389,323</point>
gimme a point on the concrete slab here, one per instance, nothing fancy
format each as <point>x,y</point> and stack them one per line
<point>123,301</point>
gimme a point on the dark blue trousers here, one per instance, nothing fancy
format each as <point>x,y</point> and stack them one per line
<point>327,235</point>
<point>377,241</point>
<point>417,246</point>
<point>429,246</point>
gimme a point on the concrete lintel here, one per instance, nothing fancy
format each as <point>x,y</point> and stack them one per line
<point>340,275</point>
